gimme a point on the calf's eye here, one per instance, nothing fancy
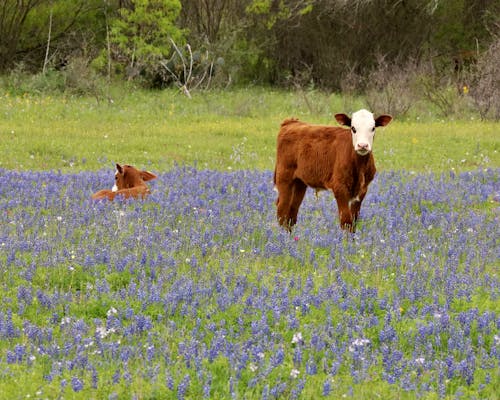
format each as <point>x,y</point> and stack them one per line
<point>353,129</point>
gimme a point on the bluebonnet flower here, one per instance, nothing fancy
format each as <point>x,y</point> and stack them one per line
<point>183,387</point>
<point>76,384</point>
<point>278,357</point>
<point>232,388</point>
<point>387,334</point>
<point>116,376</point>
<point>327,387</point>
<point>297,390</point>
<point>11,357</point>
<point>24,294</point>
<point>7,329</point>
<point>169,381</point>
<point>207,386</point>
<point>297,356</point>
<point>277,390</point>
<point>311,367</point>
<point>19,352</point>
<point>334,368</point>
<point>265,393</point>
<point>94,378</point>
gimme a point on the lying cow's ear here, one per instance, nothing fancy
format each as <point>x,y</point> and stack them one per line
<point>119,168</point>
<point>383,120</point>
<point>343,119</point>
<point>147,176</point>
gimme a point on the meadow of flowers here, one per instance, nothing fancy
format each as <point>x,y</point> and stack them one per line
<point>197,293</point>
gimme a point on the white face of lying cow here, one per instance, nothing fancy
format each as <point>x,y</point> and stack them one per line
<point>363,126</point>
<point>115,187</point>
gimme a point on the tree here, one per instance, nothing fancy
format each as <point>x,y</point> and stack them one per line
<point>25,24</point>
<point>13,16</point>
<point>206,17</point>
<point>140,35</point>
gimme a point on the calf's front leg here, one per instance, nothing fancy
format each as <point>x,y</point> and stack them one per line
<point>346,216</point>
<point>355,204</point>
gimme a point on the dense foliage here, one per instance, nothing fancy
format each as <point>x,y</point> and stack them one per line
<point>266,41</point>
<point>140,37</point>
<point>197,293</point>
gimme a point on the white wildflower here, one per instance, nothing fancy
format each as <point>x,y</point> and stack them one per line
<point>103,332</point>
<point>358,343</point>
<point>297,338</point>
<point>294,373</point>
<point>111,311</point>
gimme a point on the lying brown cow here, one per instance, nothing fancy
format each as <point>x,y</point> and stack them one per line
<point>129,182</point>
<point>326,157</point>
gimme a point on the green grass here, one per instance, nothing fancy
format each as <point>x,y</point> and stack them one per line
<point>218,130</point>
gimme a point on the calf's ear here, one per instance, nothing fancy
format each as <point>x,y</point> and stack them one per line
<point>147,176</point>
<point>383,120</point>
<point>119,168</point>
<point>343,119</point>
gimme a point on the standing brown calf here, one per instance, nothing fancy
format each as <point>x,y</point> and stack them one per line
<point>129,182</point>
<point>326,157</point>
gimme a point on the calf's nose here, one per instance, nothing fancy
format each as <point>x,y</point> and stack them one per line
<point>363,146</point>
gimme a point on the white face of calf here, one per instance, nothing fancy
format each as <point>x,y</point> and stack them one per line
<point>363,131</point>
<point>115,187</point>
<point>363,126</point>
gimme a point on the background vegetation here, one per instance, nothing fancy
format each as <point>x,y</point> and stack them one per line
<point>392,51</point>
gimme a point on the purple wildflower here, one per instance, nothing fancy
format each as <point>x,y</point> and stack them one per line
<point>327,387</point>
<point>76,384</point>
<point>183,387</point>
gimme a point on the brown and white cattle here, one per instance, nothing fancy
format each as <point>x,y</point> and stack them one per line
<point>129,182</point>
<point>326,158</point>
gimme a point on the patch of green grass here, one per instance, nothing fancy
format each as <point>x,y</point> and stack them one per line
<point>233,129</point>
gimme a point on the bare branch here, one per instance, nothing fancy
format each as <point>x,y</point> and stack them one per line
<point>45,62</point>
<point>180,55</point>
<point>191,78</point>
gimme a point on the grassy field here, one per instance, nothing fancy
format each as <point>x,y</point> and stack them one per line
<point>235,129</point>
<point>197,293</point>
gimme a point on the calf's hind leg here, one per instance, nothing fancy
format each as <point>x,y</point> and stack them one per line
<point>290,197</point>
<point>298,192</point>
<point>283,202</point>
